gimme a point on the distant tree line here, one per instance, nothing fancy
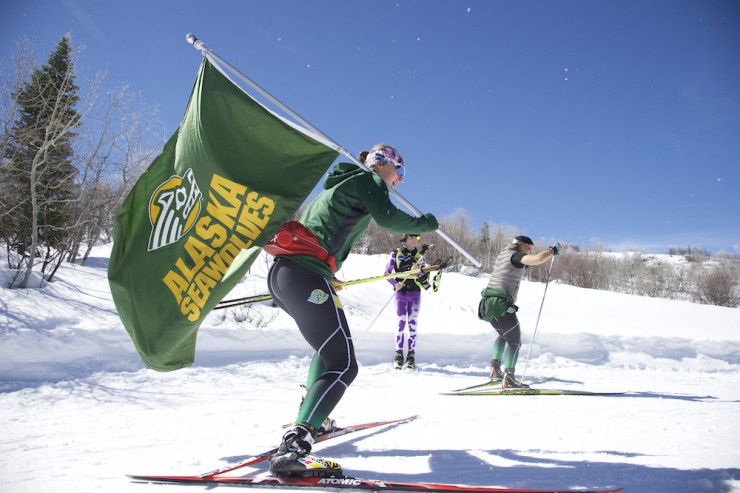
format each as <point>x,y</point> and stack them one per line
<point>692,274</point>
<point>708,280</point>
<point>67,160</point>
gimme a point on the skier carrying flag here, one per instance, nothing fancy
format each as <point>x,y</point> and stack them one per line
<point>408,293</point>
<point>301,283</point>
<point>497,305</point>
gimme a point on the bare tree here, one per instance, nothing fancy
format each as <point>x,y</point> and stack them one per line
<point>122,137</point>
<point>719,285</point>
<point>12,77</point>
<point>458,226</point>
<point>10,83</point>
<point>37,169</point>
<point>492,241</point>
<point>376,240</point>
<point>586,270</point>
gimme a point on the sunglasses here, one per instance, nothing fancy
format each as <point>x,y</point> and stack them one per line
<point>401,170</point>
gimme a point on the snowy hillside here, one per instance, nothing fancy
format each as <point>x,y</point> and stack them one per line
<point>79,410</point>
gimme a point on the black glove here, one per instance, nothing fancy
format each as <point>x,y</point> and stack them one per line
<point>555,249</point>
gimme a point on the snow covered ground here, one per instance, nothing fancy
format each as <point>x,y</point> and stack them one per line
<point>78,409</point>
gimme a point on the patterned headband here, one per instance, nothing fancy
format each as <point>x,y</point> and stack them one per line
<point>384,156</point>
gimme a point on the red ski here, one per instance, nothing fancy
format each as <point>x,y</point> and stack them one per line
<point>217,478</point>
<point>347,483</point>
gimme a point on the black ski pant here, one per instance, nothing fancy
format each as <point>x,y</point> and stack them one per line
<point>509,340</point>
<point>314,305</point>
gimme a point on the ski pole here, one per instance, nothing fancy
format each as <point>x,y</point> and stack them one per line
<point>547,282</point>
<point>420,270</point>
<point>258,298</point>
<point>376,316</point>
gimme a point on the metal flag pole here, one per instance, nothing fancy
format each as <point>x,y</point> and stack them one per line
<point>526,361</point>
<point>198,45</point>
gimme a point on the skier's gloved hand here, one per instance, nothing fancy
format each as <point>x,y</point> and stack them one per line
<point>423,281</point>
<point>337,284</point>
<point>555,249</point>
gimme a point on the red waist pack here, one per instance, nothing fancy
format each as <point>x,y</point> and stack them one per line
<point>293,238</point>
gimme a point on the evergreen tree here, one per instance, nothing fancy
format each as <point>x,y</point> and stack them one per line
<point>37,172</point>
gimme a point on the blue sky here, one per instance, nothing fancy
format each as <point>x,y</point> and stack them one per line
<point>613,122</point>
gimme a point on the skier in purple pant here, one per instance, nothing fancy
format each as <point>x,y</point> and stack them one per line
<point>408,294</point>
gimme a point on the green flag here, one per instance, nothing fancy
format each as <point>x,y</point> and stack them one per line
<point>196,219</point>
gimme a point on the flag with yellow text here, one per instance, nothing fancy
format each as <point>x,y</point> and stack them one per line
<point>197,218</point>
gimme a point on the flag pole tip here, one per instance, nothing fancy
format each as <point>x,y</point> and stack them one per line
<point>197,44</point>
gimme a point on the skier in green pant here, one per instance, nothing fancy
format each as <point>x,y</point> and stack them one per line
<point>499,298</point>
<point>301,283</point>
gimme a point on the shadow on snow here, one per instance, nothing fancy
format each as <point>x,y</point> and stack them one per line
<point>528,469</point>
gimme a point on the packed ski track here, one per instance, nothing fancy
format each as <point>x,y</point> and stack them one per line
<point>80,411</point>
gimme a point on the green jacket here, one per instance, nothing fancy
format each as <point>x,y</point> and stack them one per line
<point>342,211</point>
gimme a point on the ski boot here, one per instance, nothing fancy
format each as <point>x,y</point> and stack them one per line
<point>327,426</point>
<point>293,457</point>
<point>398,361</point>
<point>496,373</point>
<point>510,383</point>
<point>411,360</point>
